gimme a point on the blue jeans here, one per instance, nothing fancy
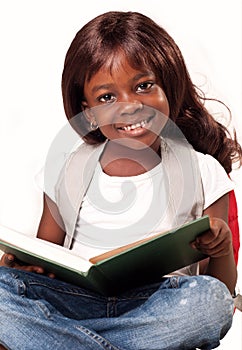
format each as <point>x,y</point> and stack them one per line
<point>37,313</point>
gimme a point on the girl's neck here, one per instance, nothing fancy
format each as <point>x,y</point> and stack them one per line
<point>119,160</point>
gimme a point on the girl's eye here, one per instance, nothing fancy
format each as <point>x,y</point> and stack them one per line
<point>144,86</point>
<point>107,98</point>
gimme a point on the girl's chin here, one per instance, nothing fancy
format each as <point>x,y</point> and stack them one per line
<point>136,144</point>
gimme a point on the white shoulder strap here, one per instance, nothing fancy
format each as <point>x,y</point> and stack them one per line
<point>186,195</point>
<point>73,183</point>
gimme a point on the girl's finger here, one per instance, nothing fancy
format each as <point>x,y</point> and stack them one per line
<point>211,244</point>
<point>9,260</point>
<point>36,269</point>
<point>223,248</point>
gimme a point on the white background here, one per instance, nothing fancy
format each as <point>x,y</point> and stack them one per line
<point>34,37</point>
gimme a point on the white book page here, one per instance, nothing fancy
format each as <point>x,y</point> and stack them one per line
<point>44,249</point>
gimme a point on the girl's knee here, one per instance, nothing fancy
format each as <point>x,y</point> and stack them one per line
<point>210,312</point>
<point>216,304</point>
<point>213,293</point>
<point>215,290</point>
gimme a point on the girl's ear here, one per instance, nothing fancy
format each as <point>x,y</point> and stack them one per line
<point>86,111</point>
<point>85,104</point>
<point>89,116</point>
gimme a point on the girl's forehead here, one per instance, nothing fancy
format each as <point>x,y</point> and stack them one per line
<point>119,61</point>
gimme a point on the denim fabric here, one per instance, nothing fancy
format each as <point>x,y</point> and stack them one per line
<point>37,312</point>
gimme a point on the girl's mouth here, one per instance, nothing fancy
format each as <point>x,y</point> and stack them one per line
<point>139,125</point>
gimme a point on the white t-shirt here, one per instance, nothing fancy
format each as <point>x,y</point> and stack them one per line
<point>120,210</point>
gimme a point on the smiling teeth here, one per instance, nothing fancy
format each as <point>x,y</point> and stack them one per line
<point>135,126</point>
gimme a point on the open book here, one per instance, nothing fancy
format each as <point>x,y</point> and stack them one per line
<point>136,264</point>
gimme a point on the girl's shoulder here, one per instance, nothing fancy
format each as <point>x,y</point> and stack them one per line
<point>74,163</point>
<point>210,164</point>
<point>211,168</point>
<point>215,180</point>
<point>206,159</point>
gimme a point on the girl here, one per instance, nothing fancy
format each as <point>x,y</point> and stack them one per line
<point>127,92</point>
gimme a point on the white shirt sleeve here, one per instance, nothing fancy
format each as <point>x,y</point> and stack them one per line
<point>215,180</point>
<point>54,164</point>
<point>46,180</point>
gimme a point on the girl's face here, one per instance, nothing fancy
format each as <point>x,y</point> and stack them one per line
<point>127,104</point>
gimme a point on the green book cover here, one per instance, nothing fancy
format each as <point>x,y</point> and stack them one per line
<point>139,265</point>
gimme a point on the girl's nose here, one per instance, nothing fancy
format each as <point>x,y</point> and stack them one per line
<point>130,107</point>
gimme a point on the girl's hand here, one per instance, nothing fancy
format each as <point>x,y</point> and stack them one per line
<point>10,260</point>
<point>217,242</point>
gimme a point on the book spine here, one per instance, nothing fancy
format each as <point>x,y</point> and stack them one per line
<point>99,282</point>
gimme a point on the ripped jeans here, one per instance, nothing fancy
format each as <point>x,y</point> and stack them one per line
<point>37,313</point>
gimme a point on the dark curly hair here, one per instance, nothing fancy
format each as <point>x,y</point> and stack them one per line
<point>145,44</point>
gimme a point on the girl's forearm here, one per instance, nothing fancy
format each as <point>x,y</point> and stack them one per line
<point>224,269</point>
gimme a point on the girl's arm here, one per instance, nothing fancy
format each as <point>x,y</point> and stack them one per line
<point>217,244</point>
<point>51,227</point>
